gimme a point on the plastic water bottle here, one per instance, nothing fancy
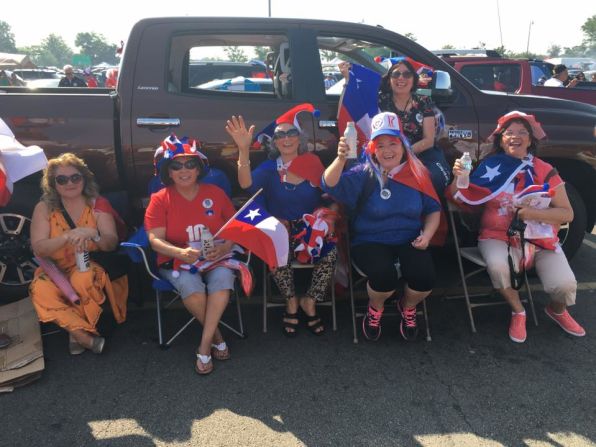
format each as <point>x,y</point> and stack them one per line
<point>351,136</point>
<point>206,240</point>
<point>463,180</point>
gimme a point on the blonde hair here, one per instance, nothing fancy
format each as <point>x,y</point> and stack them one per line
<point>48,182</point>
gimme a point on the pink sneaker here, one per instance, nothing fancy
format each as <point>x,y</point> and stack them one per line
<point>517,328</point>
<point>566,321</point>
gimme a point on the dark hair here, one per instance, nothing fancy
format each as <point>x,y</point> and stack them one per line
<point>164,174</point>
<point>499,136</point>
<point>385,86</point>
<point>560,68</point>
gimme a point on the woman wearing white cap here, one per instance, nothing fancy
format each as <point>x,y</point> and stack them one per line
<point>396,222</point>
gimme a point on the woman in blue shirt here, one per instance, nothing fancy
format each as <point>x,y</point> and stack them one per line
<point>394,223</point>
<point>290,179</point>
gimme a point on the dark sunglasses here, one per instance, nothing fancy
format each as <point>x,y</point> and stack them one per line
<point>398,74</point>
<point>289,133</point>
<point>64,179</point>
<point>188,164</point>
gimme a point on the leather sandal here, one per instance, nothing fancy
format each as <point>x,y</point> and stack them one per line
<point>315,325</point>
<point>223,354</point>
<point>288,325</point>
<point>203,368</point>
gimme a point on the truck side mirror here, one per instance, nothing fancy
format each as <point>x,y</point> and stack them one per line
<point>441,85</point>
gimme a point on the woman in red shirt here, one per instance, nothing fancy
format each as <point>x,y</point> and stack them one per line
<point>178,219</point>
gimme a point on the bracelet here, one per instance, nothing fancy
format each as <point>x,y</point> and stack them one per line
<point>242,165</point>
<point>96,238</point>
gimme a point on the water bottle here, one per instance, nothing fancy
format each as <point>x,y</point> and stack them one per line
<point>463,180</point>
<point>351,136</point>
<point>82,260</point>
<point>206,240</point>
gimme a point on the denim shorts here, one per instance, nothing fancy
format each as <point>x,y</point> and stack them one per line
<point>220,278</point>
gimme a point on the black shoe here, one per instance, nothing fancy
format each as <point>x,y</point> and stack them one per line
<point>371,323</point>
<point>408,327</point>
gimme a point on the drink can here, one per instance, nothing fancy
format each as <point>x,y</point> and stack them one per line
<point>82,260</point>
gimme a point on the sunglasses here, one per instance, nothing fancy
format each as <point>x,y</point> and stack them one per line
<point>64,179</point>
<point>398,74</point>
<point>289,133</point>
<point>521,134</point>
<point>188,164</point>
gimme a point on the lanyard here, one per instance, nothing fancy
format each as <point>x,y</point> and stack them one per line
<point>282,169</point>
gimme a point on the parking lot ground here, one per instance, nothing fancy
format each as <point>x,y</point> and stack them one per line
<point>461,389</point>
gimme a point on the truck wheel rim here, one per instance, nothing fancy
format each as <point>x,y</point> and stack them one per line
<point>16,260</point>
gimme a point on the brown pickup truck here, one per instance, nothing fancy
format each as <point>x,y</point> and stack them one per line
<point>188,75</point>
<point>519,76</point>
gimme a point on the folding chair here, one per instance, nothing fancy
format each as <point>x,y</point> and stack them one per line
<point>355,314</point>
<point>473,255</point>
<point>267,292</point>
<point>139,250</point>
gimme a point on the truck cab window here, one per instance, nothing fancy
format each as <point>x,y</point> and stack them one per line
<point>224,64</point>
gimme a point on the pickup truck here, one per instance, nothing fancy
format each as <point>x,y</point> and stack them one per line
<point>519,76</point>
<point>117,131</point>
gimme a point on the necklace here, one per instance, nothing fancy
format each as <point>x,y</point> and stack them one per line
<point>405,108</point>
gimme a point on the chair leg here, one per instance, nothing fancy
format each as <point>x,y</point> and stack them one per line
<point>169,342</point>
<point>466,294</point>
<point>425,312</point>
<point>239,312</point>
<point>333,314</point>
<point>265,292</point>
<point>531,300</point>
<point>159,320</point>
<point>351,285</point>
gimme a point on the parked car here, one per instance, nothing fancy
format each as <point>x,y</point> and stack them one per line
<point>116,132</point>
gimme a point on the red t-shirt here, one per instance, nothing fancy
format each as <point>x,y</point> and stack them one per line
<point>183,218</point>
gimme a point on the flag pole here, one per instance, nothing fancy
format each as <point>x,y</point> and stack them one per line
<point>248,202</point>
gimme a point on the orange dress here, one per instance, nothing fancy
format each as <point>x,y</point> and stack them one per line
<point>92,286</point>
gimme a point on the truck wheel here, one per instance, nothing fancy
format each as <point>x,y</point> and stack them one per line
<point>16,259</point>
<point>572,234</point>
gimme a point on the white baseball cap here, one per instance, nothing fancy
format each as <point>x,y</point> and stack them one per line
<point>386,123</point>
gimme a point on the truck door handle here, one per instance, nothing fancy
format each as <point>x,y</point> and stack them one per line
<point>158,122</point>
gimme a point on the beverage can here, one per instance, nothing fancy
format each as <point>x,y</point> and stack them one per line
<point>82,260</point>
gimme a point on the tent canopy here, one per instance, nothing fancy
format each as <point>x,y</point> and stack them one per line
<point>8,60</point>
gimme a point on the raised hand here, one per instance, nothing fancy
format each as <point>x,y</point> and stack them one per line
<point>236,128</point>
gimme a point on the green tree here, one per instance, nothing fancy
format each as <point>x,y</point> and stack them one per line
<point>411,36</point>
<point>54,51</point>
<point>554,50</point>
<point>261,53</point>
<point>501,50</point>
<point>96,47</point>
<point>235,54</point>
<point>448,47</point>
<point>7,43</point>
<point>589,29</point>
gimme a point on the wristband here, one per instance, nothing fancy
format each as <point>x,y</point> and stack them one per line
<point>96,238</point>
<point>242,165</point>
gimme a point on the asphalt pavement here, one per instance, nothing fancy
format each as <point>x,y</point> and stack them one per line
<point>460,389</point>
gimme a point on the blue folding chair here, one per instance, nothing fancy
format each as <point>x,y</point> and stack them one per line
<point>139,250</point>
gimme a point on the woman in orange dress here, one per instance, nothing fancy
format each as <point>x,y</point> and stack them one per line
<point>68,220</point>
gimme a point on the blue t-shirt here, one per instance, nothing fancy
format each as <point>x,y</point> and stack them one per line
<point>283,200</point>
<point>395,221</point>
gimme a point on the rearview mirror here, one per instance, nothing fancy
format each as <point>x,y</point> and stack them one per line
<point>441,85</point>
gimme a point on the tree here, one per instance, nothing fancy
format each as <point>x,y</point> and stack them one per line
<point>502,51</point>
<point>328,55</point>
<point>7,43</point>
<point>235,54</point>
<point>554,50</point>
<point>261,53</point>
<point>96,47</point>
<point>448,47</point>
<point>411,36</point>
<point>589,29</point>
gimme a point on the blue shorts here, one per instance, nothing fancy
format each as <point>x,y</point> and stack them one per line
<point>220,278</point>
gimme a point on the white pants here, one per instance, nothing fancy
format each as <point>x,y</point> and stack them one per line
<point>552,268</point>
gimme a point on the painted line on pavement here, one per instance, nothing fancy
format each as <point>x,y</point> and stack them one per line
<point>590,243</point>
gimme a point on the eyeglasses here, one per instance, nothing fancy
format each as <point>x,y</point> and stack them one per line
<point>64,179</point>
<point>289,133</point>
<point>398,74</point>
<point>520,134</point>
<point>188,164</point>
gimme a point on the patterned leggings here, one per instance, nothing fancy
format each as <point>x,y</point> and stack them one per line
<point>321,276</point>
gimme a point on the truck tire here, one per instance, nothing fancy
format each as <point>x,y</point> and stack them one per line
<point>16,258</point>
<point>571,235</point>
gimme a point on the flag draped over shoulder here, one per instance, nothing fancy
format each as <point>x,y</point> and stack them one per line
<point>493,176</point>
<point>359,103</point>
<point>308,166</point>
<point>259,232</point>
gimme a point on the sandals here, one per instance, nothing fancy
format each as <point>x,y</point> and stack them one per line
<point>288,325</point>
<point>203,368</point>
<point>315,324</point>
<point>74,348</point>
<point>220,354</point>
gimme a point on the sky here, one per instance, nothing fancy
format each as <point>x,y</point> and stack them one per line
<point>461,23</point>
